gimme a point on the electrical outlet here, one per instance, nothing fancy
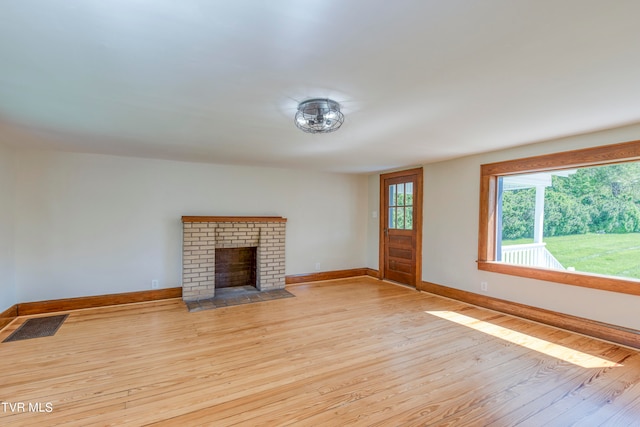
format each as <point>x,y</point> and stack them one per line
<point>154,284</point>
<point>484,286</point>
<point>317,266</point>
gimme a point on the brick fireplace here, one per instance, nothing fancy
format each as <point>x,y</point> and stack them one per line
<point>202,235</point>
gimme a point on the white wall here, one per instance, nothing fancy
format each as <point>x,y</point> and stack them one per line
<point>450,236</point>
<point>7,260</point>
<point>92,224</point>
<point>373,223</point>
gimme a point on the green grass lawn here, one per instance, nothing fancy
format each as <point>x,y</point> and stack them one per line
<point>610,254</point>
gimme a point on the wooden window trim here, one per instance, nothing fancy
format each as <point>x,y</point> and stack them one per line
<point>489,174</point>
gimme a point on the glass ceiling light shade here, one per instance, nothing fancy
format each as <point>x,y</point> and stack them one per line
<point>319,115</point>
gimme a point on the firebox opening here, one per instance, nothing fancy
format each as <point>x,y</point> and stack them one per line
<point>235,267</point>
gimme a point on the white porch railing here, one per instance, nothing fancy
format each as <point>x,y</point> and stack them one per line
<point>530,255</point>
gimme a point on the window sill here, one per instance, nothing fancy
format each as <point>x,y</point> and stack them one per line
<point>594,281</point>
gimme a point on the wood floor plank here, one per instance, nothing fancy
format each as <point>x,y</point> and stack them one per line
<point>599,391</point>
<point>440,357</point>
<point>345,352</point>
<point>551,386</point>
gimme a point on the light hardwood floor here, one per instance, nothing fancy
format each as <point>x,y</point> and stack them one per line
<point>348,352</point>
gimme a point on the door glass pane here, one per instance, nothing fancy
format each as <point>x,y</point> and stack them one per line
<point>408,200</point>
<point>400,221</point>
<point>392,196</point>
<point>408,221</point>
<point>401,206</point>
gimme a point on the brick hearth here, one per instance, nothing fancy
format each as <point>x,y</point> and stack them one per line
<point>202,235</point>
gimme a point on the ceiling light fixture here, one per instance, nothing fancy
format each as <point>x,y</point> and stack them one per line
<point>319,115</point>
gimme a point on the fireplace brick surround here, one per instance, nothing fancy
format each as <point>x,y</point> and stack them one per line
<point>201,235</point>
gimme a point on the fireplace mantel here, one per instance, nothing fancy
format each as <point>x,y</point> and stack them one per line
<point>233,219</point>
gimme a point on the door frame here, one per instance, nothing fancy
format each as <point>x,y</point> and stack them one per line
<point>417,220</point>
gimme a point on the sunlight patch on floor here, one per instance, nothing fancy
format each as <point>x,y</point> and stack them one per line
<point>550,349</point>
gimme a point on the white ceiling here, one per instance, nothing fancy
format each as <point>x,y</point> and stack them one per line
<point>219,81</point>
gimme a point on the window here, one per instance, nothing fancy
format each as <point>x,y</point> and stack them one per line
<point>571,217</point>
